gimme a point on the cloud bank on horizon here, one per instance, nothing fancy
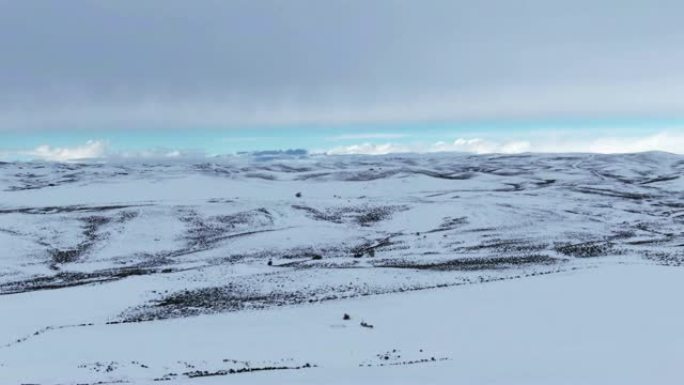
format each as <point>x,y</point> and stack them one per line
<point>101,150</point>
<point>664,141</point>
<point>100,65</point>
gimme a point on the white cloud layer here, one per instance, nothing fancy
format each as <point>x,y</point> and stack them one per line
<point>672,142</point>
<point>664,141</point>
<point>96,150</point>
<point>91,150</point>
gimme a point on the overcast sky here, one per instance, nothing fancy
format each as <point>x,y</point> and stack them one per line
<point>135,63</point>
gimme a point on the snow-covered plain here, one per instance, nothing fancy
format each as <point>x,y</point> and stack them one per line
<point>518,269</point>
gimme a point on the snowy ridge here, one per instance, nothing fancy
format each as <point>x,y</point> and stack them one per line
<point>97,248</point>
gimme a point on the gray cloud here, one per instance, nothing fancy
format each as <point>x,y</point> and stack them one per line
<point>159,63</point>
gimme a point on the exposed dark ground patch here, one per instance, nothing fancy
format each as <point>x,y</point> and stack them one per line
<point>449,223</point>
<point>66,209</point>
<point>665,258</point>
<point>615,193</point>
<point>91,226</point>
<point>480,263</point>
<point>586,249</point>
<point>248,369</point>
<point>205,232</point>
<point>505,246</point>
<point>364,215</point>
<point>231,297</point>
<point>65,279</point>
<point>235,297</point>
<point>396,357</point>
<point>369,248</point>
<point>333,216</point>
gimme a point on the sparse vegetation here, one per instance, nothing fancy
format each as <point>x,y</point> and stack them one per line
<point>585,250</point>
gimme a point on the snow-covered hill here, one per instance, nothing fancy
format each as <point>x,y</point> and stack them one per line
<point>190,271</point>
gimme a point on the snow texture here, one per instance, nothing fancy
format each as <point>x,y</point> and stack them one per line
<point>292,268</point>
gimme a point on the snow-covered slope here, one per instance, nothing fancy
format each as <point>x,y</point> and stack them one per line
<point>173,271</point>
